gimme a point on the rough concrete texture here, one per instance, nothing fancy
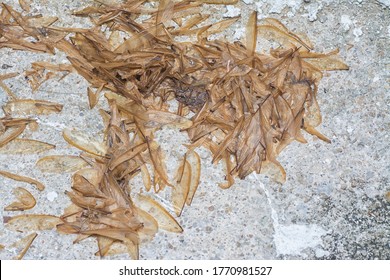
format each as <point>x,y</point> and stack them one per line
<point>336,201</point>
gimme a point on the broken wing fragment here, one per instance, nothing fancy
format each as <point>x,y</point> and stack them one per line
<point>20,178</point>
<point>25,146</point>
<point>160,118</point>
<point>164,219</point>
<point>25,200</point>
<point>311,130</point>
<point>126,247</point>
<point>11,133</point>
<point>104,244</point>
<point>146,177</point>
<point>31,222</point>
<point>182,186</point>
<point>228,167</point>
<point>5,87</point>
<point>274,171</point>
<point>127,155</point>
<point>325,62</point>
<point>31,107</point>
<point>165,11</point>
<point>149,225</point>
<point>271,32</point>
<point>194,160</point>
<point>157,160</point>
<point>23,245</point>
<point>61,164</point>
<point>220,26</point>
<point>84,142</point>
<point>251,34</point>
<point>25,5</point>
<point>93,97</point>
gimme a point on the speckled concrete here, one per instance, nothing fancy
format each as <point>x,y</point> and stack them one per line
<point>335,203</point>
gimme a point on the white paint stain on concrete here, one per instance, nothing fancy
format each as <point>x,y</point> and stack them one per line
<point>278,6</point>
<point>293,239</point>
<point>232,11</point>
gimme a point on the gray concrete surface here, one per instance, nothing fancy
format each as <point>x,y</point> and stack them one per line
<point>335,203</point>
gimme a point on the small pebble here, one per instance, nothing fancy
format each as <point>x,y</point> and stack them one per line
<point>232,11</point>
<point>346,22</point>
<point>51,196</point>
<point>357,32</point>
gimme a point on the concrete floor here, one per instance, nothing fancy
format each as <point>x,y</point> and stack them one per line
<point>336,201</point>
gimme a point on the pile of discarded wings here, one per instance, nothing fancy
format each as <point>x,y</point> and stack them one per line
<point>244,106</point>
